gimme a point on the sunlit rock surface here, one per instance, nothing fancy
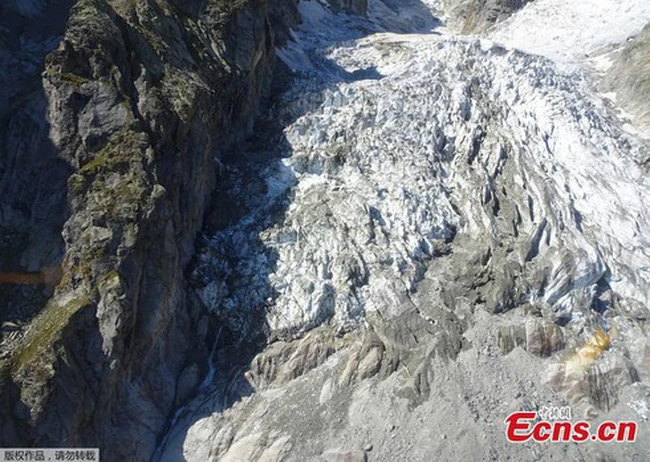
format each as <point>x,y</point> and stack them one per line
<point>629,77</point>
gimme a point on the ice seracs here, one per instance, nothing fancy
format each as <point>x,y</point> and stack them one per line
<point>427,188</point>
<point>447,136</point>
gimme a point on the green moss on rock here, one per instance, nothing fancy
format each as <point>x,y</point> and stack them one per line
<point>45,330</point>
<point>67,77</point>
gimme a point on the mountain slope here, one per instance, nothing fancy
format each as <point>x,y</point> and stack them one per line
<point>439,223</point>
<point>129,109</point>
<point>375,247</point>
<point>629,77</point>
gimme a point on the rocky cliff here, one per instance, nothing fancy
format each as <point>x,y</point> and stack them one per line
<point>471,16</point>
<point>117,128</point>
<point>629,77</point>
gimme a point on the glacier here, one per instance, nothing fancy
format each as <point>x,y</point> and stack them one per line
<point>413,182</point>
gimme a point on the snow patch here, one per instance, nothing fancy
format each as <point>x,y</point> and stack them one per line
<point>567,31</point>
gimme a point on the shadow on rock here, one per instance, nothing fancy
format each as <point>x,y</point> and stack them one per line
<point>32,175</point>
<point>33,186</point>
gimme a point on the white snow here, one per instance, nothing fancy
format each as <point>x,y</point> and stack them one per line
<point>568,30</point>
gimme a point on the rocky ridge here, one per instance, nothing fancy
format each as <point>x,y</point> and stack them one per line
<point>476,16</point>
<point>134,107</point>
<point>629,77</point>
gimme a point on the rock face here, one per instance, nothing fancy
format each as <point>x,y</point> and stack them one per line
<point>32,176</point>
<point>354,6</point>
<point>629,77</point>
<point>471,16</point>
<point>120,139</point>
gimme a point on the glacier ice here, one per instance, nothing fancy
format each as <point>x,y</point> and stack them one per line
<point>418,197</point>
<point>450,140</point>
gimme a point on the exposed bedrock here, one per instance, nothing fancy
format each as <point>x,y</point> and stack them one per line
<point>476,16</point>
<point>629,77</point>
<point>119,134</point>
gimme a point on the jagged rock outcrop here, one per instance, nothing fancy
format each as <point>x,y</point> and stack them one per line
<point>476,16</point>
<point>629,77</point>
<point>142,98</point>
